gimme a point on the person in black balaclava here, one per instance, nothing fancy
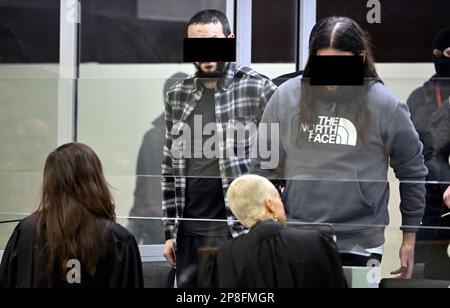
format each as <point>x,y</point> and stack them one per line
<point>441,53</point>
<point>424,103</point>
<point>425,100</point>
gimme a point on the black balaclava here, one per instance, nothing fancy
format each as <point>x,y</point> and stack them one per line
<point>442,42</point>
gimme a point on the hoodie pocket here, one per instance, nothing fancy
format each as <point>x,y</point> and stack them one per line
<point>344,201</point>
<point>372,192</point>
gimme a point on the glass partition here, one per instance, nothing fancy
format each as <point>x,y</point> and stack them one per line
<point>29,98</point>
<point>362,164</point>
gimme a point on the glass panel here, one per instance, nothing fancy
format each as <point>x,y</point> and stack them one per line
<point>348,161</point>
<point>274,57</point>
<point>137,31</point>
<point>276,20</point>
<point>29,95</point>
<point>129,136</point>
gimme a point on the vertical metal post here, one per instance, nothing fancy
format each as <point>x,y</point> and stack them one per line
<point>70,15</point>
<point>230,12</point>
<point>307,15</point>
<point>244,32</point>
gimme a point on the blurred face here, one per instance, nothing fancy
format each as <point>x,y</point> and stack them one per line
<point>333,52</point>
<point>208,69</point>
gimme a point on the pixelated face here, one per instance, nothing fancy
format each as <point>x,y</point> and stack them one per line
<point>333,52</point>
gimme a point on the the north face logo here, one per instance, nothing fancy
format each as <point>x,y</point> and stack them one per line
<point>332,130</point>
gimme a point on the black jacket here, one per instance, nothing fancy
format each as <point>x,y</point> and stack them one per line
<point>273,256</point>
<point>423,103</point>
<point>23,262</point>
<point>437,160</point>
<point>438,150</point>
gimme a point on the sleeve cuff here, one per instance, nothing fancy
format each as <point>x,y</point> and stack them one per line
<point>411,223</point>
<point>168,235</point>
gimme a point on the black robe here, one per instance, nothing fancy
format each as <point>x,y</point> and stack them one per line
<point>23,262</point>
<point>273,256</point>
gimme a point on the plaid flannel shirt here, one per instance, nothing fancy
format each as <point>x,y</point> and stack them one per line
<point>241,96</point>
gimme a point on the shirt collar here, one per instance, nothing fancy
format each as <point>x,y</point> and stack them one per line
<point>262,223</point>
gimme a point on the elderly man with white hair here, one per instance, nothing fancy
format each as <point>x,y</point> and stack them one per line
<point>271,255</point>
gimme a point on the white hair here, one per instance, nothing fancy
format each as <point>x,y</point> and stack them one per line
<point>246,197</point>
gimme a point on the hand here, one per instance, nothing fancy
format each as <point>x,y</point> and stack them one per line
<point>406,256</point>
<point>169,253</point>
<point>447,197</point>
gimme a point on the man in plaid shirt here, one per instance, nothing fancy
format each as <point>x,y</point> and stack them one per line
<point>195,183</point>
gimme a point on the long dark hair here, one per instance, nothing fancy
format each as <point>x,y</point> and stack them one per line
<point>75,197</point>
<point>344,34</point>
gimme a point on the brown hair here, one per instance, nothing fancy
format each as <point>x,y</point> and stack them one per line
<point>344,34</point>
<point>75,198</point>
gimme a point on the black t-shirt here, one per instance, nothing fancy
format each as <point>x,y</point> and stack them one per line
<point>204,192</point>
<point>204,114</point>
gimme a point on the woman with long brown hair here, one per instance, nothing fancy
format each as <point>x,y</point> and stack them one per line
<point>72,240</point>
<point>336,141</point>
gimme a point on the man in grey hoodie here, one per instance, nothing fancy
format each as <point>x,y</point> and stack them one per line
<point>335,144</point>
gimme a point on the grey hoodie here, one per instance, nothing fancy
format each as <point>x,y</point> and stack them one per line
<point>333,177</point>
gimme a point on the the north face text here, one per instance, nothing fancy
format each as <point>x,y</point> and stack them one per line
<point>331,130</point>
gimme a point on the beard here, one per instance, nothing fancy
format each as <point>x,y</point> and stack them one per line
<point>217,74</point>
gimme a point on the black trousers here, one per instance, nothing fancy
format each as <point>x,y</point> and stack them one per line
<point>187,256</point>
<point>437,266</point>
